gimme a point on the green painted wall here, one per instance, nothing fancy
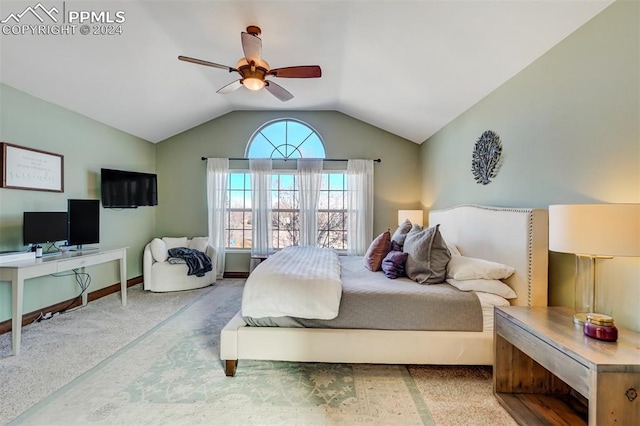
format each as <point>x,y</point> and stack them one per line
<point>181,173</point>
<point>87,146</point>
<point>569,125</point>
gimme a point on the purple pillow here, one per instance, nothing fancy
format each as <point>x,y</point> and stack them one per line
<point>393,264</point>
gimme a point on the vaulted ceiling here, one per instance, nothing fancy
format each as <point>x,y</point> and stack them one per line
<point>408,67</point>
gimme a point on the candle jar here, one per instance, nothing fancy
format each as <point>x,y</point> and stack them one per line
<point>600,327</point>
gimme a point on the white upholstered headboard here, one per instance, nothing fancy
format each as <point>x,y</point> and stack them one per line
<point>518,237</point>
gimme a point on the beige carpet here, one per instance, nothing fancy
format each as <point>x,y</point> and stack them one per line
<point>172,375</point>
<point>56,351</point>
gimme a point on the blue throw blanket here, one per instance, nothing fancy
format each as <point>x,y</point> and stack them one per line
<point>198,262</point>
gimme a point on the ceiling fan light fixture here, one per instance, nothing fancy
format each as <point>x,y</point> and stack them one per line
<point>254,70</point>
<point>242,62</point>
<point>253,83</point>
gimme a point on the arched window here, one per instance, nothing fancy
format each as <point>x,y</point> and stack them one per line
<point>289,139</point>
<point>285,138</point>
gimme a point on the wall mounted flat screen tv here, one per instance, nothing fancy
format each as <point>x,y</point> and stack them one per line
<point>83,222</point>
<point>123,189</point>
<point>44,227</point>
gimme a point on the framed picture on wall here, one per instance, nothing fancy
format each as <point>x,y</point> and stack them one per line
<point>30,169</point>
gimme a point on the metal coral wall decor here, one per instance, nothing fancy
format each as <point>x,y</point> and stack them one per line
<point>486,157</point>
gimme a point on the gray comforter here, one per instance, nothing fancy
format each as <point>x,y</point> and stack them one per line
<point>372,301</point>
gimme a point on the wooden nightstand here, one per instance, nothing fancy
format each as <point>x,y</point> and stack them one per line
<point>546,371</point>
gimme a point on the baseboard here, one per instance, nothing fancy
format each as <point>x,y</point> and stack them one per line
<point>232,274</point>
<point>5,326</point>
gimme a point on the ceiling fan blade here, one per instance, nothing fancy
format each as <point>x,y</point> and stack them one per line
<point>278,91</point>
<point>206,63</point>
<point>234,85</point>
<point>252,47</point>
<point>303,71</point>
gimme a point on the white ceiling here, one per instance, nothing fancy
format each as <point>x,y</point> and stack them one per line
<point>408,67</point>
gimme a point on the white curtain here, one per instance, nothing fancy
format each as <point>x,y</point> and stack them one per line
<point>359,206</point>
<point>261,229</point>
<point>309,181</point>
<point>217,178</point>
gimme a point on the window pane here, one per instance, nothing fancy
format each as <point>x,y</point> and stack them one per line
<point>297,132</point>
<point>286,139</point>
<point>286,200</point>
<point>286,181</point>
<point>323,200</point>
<point>275,132</point>
<point>236,180</point>
<point>336,181</point>
<point>236,199</point>
<point>344,241</point>
<point>236,239</point>
<point>260,147</point>
<point>247,239</point>
<point>324,183</point>
<point>335,240</point>
<point>312,147</point>
<point>336,221</point>
<point>236,220</point>
<point>336,200</point>
<point>323,220</point>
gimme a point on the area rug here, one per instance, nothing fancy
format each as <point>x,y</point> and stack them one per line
<point>173,375</point>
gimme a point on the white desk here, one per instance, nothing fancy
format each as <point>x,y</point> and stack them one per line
<point>18,271</point>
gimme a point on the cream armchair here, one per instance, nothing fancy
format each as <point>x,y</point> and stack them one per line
<point>159,275</point>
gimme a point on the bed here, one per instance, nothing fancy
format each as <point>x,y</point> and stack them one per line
<point>517,237</point>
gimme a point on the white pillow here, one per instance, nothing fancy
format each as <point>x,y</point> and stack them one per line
<point>492,300</point>
<point>199,243</point>
<point>470,268</point>
<point>453,249</point>
<point>496,287</point>
<point>158,250</point>
<point>175,242</point>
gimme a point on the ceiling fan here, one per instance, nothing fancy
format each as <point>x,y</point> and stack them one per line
<point>254,70</point>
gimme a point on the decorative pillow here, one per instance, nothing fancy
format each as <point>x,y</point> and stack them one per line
<point>393,264</point>
<point>199,243</point>
<point>471,268</point>
<point>158,250</point>
<point>496,287</point>
<point>401,233</point>
<point>427,255</point>
<point>175,242</point>
<point>395,246</point>
<point>416,228</point>
<point>377,251</point>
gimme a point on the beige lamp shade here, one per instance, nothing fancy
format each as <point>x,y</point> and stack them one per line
<point>595,229</point>
<point>414,216</point>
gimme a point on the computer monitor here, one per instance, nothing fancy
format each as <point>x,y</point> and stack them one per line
<point>83,222</point>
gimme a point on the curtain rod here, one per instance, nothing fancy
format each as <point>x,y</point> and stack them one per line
<point>378,160</point>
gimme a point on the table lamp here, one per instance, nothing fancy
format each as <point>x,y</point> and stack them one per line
<point>593,231</point>
<point>414,216</point>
